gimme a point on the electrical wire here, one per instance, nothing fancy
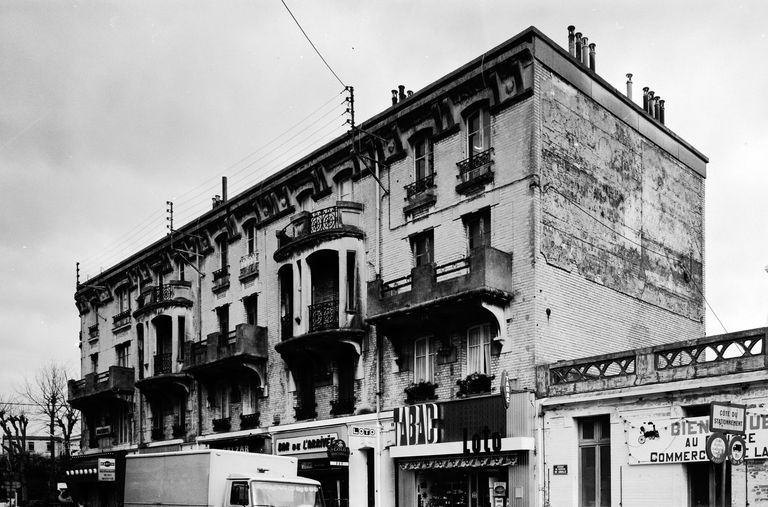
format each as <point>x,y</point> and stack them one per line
<point>137,234</point>
<point>548,187</point>
<point>313,45</point>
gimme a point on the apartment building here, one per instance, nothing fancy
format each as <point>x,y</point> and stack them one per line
<point>389,296</point>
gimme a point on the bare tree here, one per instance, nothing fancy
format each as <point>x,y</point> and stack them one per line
<point>13,425</point>
<point>47,393</point>
<point>67,419</point>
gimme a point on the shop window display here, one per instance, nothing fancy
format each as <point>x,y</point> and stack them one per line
<point>459,487</point>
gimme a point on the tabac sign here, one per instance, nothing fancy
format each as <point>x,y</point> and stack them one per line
<point>684,440</point>
<point>417,424</point>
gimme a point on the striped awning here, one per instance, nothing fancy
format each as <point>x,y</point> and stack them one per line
<point>459,462</point>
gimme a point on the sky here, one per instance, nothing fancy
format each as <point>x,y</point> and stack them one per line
<point>109,108</point>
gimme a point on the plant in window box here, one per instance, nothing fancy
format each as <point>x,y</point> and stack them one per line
<point>420,391</point>
<point>475,383</point>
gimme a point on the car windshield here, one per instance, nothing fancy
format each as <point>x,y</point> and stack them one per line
<point>276,494</point>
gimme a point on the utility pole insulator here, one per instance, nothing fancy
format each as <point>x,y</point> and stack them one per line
<point>169,218</point>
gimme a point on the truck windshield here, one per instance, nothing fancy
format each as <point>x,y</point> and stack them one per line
<point>273,494</point>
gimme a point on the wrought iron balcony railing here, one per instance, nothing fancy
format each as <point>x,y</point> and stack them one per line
<point>162,364</point>
<point>121,319</point>
<point>419,186</point>
<point>324,315</point>
<point>249,421</point>
<point>475,169</point>
<point>249,266</point>
<point>222,424</point>
<point>221,278</point>
<point>344,217</point>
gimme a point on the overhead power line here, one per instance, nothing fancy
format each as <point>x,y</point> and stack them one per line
<point>313,45</point>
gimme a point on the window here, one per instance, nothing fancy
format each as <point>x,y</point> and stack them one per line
<point>223,251</point>
<point>180,269</point>
<point>345,190</point>
<point>122,299</point>
<point>351,281</point>
<point>94,363</point>
<point>478,132</point>
<point>121,420</point>
<point>250,239</point>
<point>223,394</point>
<point>421,245</point>
<point>479,349</point>
<point>239,495</point>
<point>595,462</point>
<point>423,158</point>
<point>122,352</point>
<point>250,307</point>
<point>222,314</point>
<point>423,360</point>
<point>478,228</point>
<point>181,323</point>
<point>31,446</point>
<point>48,447</point>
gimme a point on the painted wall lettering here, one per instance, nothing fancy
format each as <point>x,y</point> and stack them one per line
<point>417,424</point>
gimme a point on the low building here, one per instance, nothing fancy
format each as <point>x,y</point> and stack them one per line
<point>632,428</point>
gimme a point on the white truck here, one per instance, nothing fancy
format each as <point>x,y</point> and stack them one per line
<point>217,478</point>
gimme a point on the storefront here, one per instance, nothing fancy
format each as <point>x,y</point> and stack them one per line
<point>97,479</point>
<point>472,452</point>
<point>343,457</point>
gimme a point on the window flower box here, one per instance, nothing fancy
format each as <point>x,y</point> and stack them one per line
<point>420,391</point>
<point>475,383</point>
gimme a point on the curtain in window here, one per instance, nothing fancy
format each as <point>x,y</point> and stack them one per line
<point>478,350</point>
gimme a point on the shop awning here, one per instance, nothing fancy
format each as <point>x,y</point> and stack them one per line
<point>459,462</point>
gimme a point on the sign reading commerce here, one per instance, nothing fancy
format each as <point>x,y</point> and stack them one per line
<point>305,444</point>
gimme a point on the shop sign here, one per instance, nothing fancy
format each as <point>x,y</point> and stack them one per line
<point>417,424</point>
<point>338,453</point>
<point>506,388</point>
<point>106,469</point>
<point>685,440</point>
<point>482,442</point>
<point>362,431</point>
<point>304,444</point>
<point>559,469</point>
<point>727,417</point>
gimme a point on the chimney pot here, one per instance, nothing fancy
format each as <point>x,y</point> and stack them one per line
<point>401,94</point>
<point>645,98</point>
<point>592,56</point>
<point>656,107</point>
<point>577,49</point>
<point>585,51</point>
<point>409,92</point>
<point>629,86</point>
<point>394,97</point>
<point>650,102</point>
<point>661,111</point>
<point>571,41</point>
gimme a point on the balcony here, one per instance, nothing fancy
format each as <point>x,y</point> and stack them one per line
<point>327,334</point>
<point>93,332</point>
<point>420,194</point>
<point>475,172</point>
<point>323,316</point>
<point>242,352</point>
<point>249,421</point>
<point>305,411</point>
<point>308,229</point>
<point>249,267</point>
<point>223,424</point>
<point>175,293</point>
<point>162,364</point>
<point>158,434</point>
<point>113,385</point>
<point>712,356</point>
<point>220,279</point>
<point>343,406</point>
<point>432,294</point>
<point>121,320</point>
